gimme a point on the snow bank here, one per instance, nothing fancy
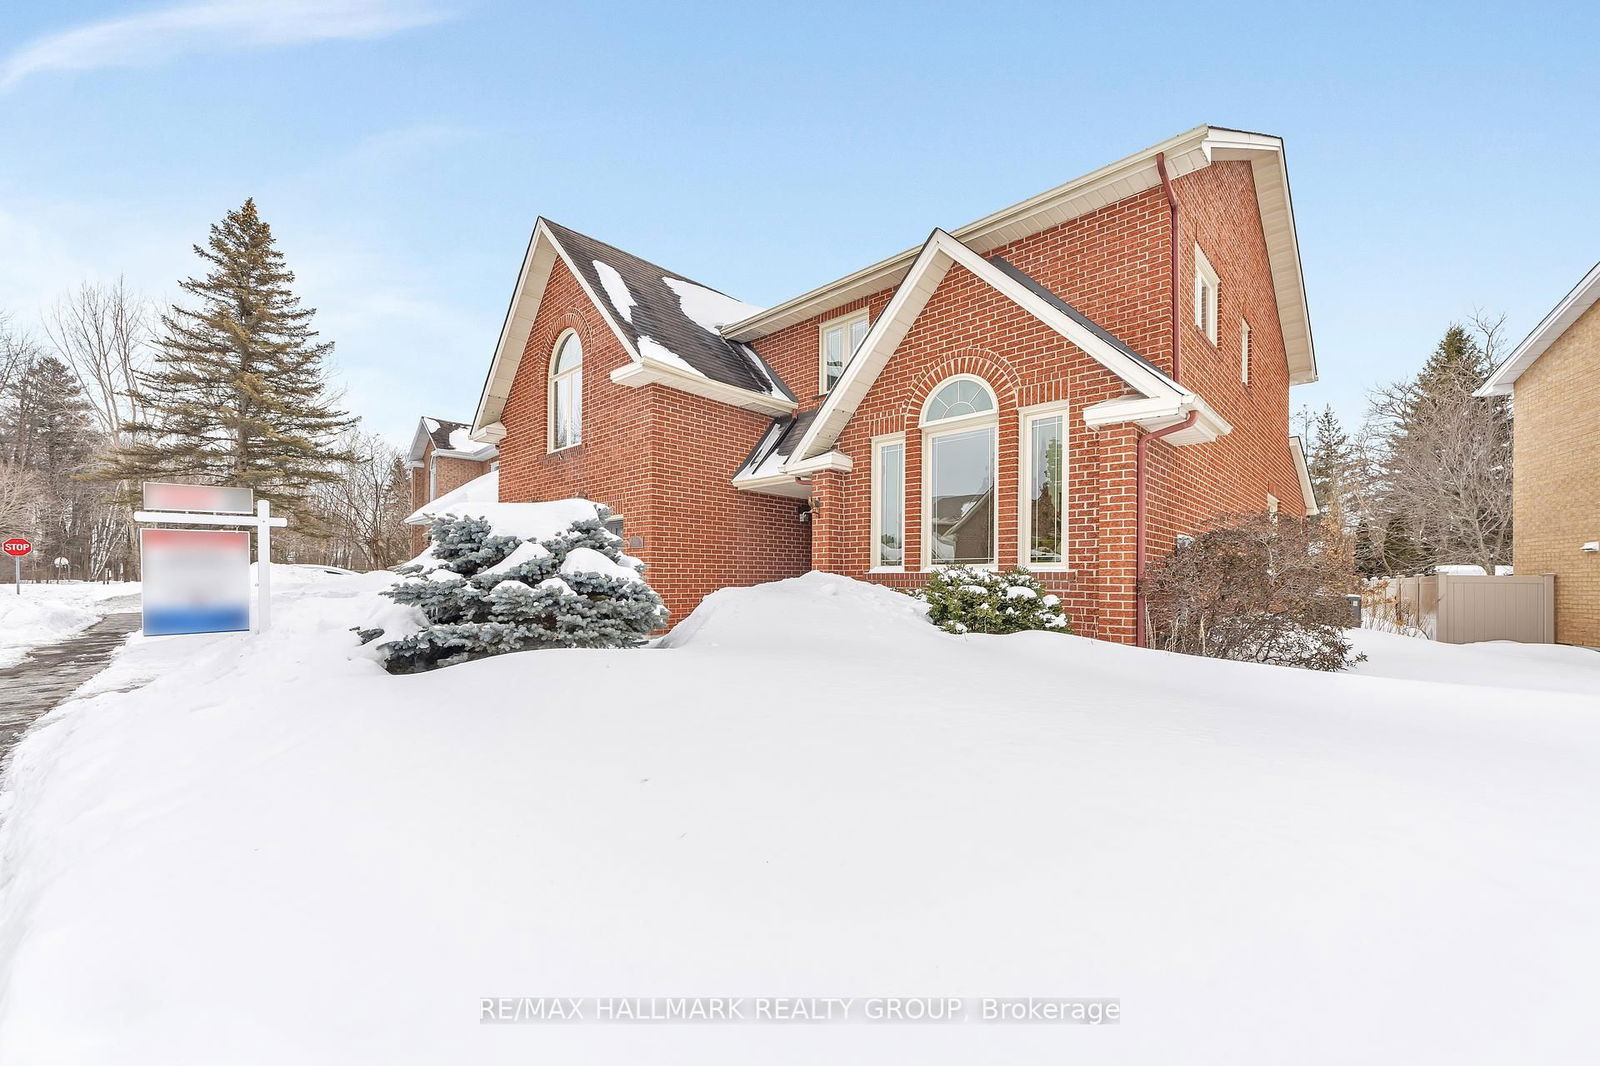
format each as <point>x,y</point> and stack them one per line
<point>274,852</point>
<point>1499,663</point>
<point>44,613</point>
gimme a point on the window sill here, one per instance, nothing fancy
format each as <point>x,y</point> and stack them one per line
<point>888,570</point>
<point>564,448</point>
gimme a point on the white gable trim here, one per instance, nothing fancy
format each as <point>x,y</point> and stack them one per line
<point>543,251</point>
<point>1183,154</point>
<point>1558,321</point>
<point>938,255</point>
<point>1298,450</point>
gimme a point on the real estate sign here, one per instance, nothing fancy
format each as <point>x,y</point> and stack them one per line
<point>195,581</point>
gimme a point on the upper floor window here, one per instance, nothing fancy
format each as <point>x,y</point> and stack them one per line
<point>566,392</point>
<point>960,470</point>
<point>1205,295</point>
<point>1244,351</point>
<point>837,341</point>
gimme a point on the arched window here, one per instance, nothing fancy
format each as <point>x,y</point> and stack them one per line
<point>960,471</point>
<point>566,392</point>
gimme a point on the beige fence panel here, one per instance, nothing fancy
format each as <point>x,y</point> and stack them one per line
<point>1461,610</point>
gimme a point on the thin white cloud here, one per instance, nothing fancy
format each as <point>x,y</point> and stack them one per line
<point>211,26</point>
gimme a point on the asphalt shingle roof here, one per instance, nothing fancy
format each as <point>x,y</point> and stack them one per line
<point>658,313</point>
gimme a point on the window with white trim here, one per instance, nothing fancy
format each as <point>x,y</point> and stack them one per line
<point>1205,295</point>
<point>959,525</point>
<point>566,392</point>
<point>1044,489</point>
<point>1272,507</point>
<point>837,341</point>
<point>1244,351</point>
<point>888,503</point>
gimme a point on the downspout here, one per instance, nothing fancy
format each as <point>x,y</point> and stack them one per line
<point>1172,210</point>
<point>1139,449</point>
<point>1138,521</point>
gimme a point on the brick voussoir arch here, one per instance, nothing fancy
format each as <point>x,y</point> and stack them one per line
<point>980,363</point>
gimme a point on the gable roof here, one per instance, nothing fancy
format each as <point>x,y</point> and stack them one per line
<point>666,323</point>
<point>1183,154</point>
<point>448,438</point>
<point>1571,308</point>
<point>663,307</point>
<point>1160,400</point>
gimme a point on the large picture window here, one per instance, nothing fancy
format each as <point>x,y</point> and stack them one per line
<point>889,503</point>
<point>959,474</point>
<point>566,393</point>
<point>1044,501</point>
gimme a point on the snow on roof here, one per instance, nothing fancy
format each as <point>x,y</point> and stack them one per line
<point>450,437</point>
<point>776,446</point>
<point>677,316</point>
<point>616,290</point>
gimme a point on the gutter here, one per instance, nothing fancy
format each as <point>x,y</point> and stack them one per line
<point>1139,637</point>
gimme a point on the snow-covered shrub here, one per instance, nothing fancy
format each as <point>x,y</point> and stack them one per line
<point>964,600</point>
<point>1253,588</point>
<point>484,593</point>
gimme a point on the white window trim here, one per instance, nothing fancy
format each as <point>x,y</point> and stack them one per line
<point>1206,308</point>
<point>1272,507</point>
<point>550,394</point>
<point>943,428</point>
<point>888,440</point>
<point>843,322</point>
<point>1029,415</point>
<point>433,477</point>
<point>1244,351</point>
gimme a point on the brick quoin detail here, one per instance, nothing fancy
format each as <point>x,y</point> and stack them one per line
<point>664,459</point>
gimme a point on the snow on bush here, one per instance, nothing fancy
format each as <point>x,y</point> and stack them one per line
<point>964,600</point>
<point>482,591</point>
<point>1253,588</point>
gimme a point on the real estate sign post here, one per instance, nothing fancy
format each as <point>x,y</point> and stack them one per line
<point>198,580</point>
<point>17,547</point>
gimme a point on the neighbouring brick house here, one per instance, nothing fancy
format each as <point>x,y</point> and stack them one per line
<point>1553,377</point>
<point>1069,384</point>
<point>443,457</point>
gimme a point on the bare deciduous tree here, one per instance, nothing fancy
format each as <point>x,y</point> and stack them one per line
<point>103,333</point>
<point>1445,455</point>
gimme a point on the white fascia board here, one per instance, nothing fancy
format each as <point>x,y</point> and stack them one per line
<point>653,372</point>
<point>1307,490</point>
<point>939,253</point>
<point>1553,325</point>
<point>1151,414</point>
<point>543,250</point>
<point>818,463</point>
<point>1116,181</point>
<point>1271,174</point>
<point>493,433</point>
<point>775,485</point>
<point>419,443</point>
<point>481,455</point>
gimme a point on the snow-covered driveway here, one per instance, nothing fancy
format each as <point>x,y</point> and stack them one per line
<point>274,852</point>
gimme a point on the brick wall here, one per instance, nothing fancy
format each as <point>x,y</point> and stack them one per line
<point>661,458</point>
<point>1556,491</point>
<point>448,473</point>
<point>1113,264</point>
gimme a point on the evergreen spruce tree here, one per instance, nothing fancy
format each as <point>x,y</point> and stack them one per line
<point>481,593</point>
<point>237,392</point>
<point>1332,460</point>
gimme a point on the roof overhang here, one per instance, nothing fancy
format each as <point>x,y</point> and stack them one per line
<point>1157,397</point>
<point>544,250</point>
<point>1553,325</point>
<point>1183,154</point>
<point>1151,414</point>
<point>1308,491</point>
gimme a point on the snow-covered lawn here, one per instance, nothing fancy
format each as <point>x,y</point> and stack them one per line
<point>274,852</point>
<point>46,612</point>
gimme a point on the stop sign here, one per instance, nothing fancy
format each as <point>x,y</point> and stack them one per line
<point>17,546</point>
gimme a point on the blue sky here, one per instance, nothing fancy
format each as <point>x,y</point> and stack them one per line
<point>1443,158</point>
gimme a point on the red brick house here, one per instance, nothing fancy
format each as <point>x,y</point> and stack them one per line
<point>443,457</point>
<point>1068,384</point>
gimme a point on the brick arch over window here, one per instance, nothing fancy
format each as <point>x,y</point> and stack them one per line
<point>567,320</point>
<point>977,362</point>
